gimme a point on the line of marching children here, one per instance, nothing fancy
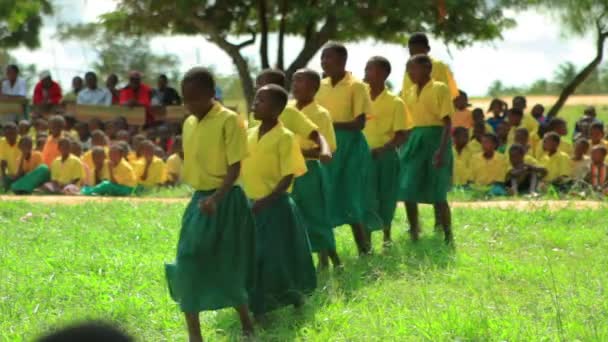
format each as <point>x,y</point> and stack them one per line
<point>266,198</point>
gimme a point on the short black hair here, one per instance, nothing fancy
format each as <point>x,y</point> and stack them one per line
<point>492,137</point>
<point>382,63</point>
<point>421,59</point>
<point>14,67</point>
<point>10,125</point>
<point>520,98</point>
<point>556,122</point>
<point>517,148</point>
<point>477,110</point>
<point>582,141</point>
<point>275,76</point>
<point>26,138</point>
<point>522,130</point>
<point>553,136</point>
<point>495,102</point>
<point>90,332</point>
<point>201,77</point>
<point>311,75</point>
<point>162,76</point>
<point>597,125</point>
<point>90,74</point>
<point>339,48</point>
<point>461,131</point>
<point>279,94</point>
<point>516,111</point>
<point>419,38</point>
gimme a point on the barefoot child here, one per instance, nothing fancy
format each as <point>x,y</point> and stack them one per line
<point>581,163</point>
<point>489,167</point>
<point>462,158</point>
<point>385,133</point>
<point>522,176</point>
<point>9,154</point>
<point>65,170</point>
<point>311,190</point>
<point>215,262</point>
<point>284,262</point>
<point>598,174</point>
<point>116,176</point>
<point>32,171</point>
<point>347,100</point>
<point>426,158</point>
<point>558,165</point>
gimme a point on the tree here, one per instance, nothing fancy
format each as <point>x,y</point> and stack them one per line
<point>315,21</point>
<point>565,73</point>
<point>578,18</point>
<point>496,89</point>
<point>20,22</point>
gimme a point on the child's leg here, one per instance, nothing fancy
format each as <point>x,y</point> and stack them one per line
<point>533,182</point>
<point>437,213</point>
<point>194,327</point>
<point>246,323</point>
<point>411,209</point>
<point>514,186</point>
<point>323,260</point>
<point>446,220</point>
<point>335,259</point>
<point>359,237</point>
<point>387,236</point>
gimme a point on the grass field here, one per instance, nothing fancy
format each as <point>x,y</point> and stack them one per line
<point>517,276</point>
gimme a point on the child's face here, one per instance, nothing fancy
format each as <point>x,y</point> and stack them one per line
<point>514,119</point>
<point>460,102</point>
<point>496,108</point>
<point>478,116</point>
<point>302,87</point>
<point>41,126</point>
<point>502,130</point>
<point>561,129</point>
<point>488,145</point>
<point>24,128</point>
<point>519,103</point>
<point>148,151</point>
<point>65,148</point>
<point>98,140</point>
<point>115,155</point>
<point>461,138</point>
<point>596,135</point>
<point>110,129</point>
<point>418,72</point>
<point>580,149</point>
<point>122,136</point>
<point>516,157</point>
<point>76,149</point>
<point>56,128</point>
<point>99,157</point>
<point>374,74</point>
<point>550,145</point>
<point>521,137</point>
<point>331,62</point>
<point>598,157</point>
<point>25,145</point>
<point>538,111</point>
<point>10,133</point>
<point>263,106</point>
<point>196,99</point>
<point>40,142</point>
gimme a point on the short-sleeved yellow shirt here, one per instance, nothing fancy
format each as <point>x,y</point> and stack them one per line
<point>441,73</point>
<point>557,165</point>
<point>174,168</point>
<point>65,171</point>
<point>564,146</point>
<point>488,171</point>
<point>104,175</point>
<point>474,146</point>
<point>462,166</point>
<point>87,157</point>
<point>156,173</point>
<point>293,120</point>
<point>346,100</point>
<point>124,174</point>
<point>322,119</point>
<point>211,145</point>
<point>11,154</point>
<point>387,116</point>
<point>430,107</point>
<point>276,155</point>
<point>534,139</point>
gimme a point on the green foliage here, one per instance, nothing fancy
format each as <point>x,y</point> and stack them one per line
<point>514,276</point>
<point>20,22</point>
<point>577,17</point>
<point>28,72</point>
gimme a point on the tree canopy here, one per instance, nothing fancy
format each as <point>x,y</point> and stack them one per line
<point>20,22</point>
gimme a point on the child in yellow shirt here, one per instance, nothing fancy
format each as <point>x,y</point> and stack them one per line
<point>273,162</point>
<point>463,117</point>
<point>116,175</point>
<point>153,172</point>
<point>479,117</point>
<point>98,139</point>
<point>175,161</point>
<point>489,168</point>
<point>32,171</point>
<point>598,173</point>
<point>559,126</point>
<point>558,164</point>
<point>479,130</point>
<point>597,135</point>
<point>462,157</point>
<point>66,170</point>
<point>522,137</point>
<point>581,163</point>
<point>9,154</point>
<point>522,177</point>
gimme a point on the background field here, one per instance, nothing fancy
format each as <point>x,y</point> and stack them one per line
<point>534,275</point>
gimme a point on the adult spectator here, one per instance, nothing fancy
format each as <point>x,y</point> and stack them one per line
<point>165,95</point>
<point>111,83</point>
<point>137,94</point>
<point>46,92</point>
<point>92,94</point>
<point>13,86</point>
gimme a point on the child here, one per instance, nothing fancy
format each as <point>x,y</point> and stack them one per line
<point>98,139</point>
<point>215,262</point>
<point>557,163</point>
<point>24,128</point>
<point>51,152</point>
<point>462,157</point>
<point>522,177</point>
<point>597,176</point>
<point>497,109</point>
<point>581,163</point>
<point>559,126</point>
<point>9,154</point>
<point>597,135</point>
<point>41,126</point>
<point>40,142</point>
<point>136,154</point>
<point>117,177</point>
<point>582,127</point>
<point>520,103</point>
<point>100,166</point>
<point>123,135</point>
<point>284,261</point>
<point>479,118</point>
<point>311,190</point>
<point>502,133</point>
<point>83,135</point>
<point>32,171</point>
<point>347,100</point>
<point>158,152</point>
<point>426,159</point>
<point>65,170</point>
<point>488,168</point>
<point>95,124</point>
<point>385,133</point>
<point>537,113</point>
<point>175,162</point>
<point>479,130</point>
<point>522,137</point>
<point>152,173</point>
<point>463,117</point>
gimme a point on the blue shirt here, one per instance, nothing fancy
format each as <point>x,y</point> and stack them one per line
<point>94,97</point>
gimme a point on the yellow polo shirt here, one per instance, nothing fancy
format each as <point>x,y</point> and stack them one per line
<point>322,119</point>
<point>534,139</point>
<point>64,172</point>
<point>462,166</point>
<point>293,120</point>
<point>474,146</point>
<point>276,155</point>
<point>174,168</point>
<point>387,117</point>
<point>124,174</point>
<point>105,173</point>
<point>557,165</point>
<point>440,73</point>
<point>87,157</point>
<point>211,145</point>
<point>564,146</point>
<point>12,155</point>
<point>430,107</point>
<point>346,100</point>
<point>487,171</point>
<point>463,118</point>
<point>156,173</point>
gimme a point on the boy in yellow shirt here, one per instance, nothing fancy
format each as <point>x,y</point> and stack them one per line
<point>274,161</point>
<point>66,170</point>
<point>558,165</point>
<point>522,177</point>
<point>347,100</point>
<point>426,159</point>
<point>463,117</point>
<point>581,162</point>
<point>489,168</point>
<point>175,162</point>
<point>522,137</point>
<point>116,175</point>
<point>9,155</point>
<point>462,157</point>
<point>528,121</point>
<point>385,131</point>
<point>559,126</point>
<point>153,172</point>
<point>98,139</point>
<point>32,171</point>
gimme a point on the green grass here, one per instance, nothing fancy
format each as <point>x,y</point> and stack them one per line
<point>518,276</point>
<point>573,113</point>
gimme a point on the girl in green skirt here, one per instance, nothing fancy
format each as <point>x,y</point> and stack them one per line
<point>215,263</point>
<point>284,262</point>
<point>385,132</point>
<point>112,178</point>
<point>426,158</point>
<point>32,171</point>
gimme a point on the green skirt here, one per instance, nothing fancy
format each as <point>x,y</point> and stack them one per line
<point>107,188</point>
<point>347,175</point>
<point>383,188</point>
<point>31,180</point>
<point>420,181</point>
<point>311,194</point>
<point>215,263</point>
<point>284,261</point>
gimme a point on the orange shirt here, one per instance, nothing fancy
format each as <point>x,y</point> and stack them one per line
<point>50,151</point>
<point>32,163</point>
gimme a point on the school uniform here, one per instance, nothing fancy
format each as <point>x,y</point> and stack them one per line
<point>311,191</point>
<point>474,146</point>
<point>215,263</point>
<point>50,151</point>
<point>35,174</point>
<point>87,157</point>
<point>387,116</point>
<point>65,171</point>
<point>156,173</point>
<point>564,146</point>
<point>557,165</point>
<point>123,185</point>
<point>285,269</point>
<point>440,72</point>
<point>348,170</point>
<point>462,166</point>
<point>534,139</point>
<point>580,168</point>
<point>11,154</point>
<point>174,168</point>
<point>421,181</point>
<point>488,171</point>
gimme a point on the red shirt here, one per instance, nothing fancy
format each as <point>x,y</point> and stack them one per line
<point>54,93</point>
<point>142,97</point>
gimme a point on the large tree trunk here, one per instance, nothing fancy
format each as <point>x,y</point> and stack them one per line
<point>570,88</point>
<point>263,17</point>
<point>281,37</point>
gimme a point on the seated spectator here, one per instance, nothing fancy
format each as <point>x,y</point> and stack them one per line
<point>137,151</point>
<point>463,116</point>
<point>597,135</point>
<point>83,135</point>
<point>176,161</point>
<point>581,163</point>
<point>165,95</point>
<point>111,83</point>
<point>13,88</point>
<point>89,332</point>
<point>160,153</point>
<point>9,154</point>
<point>522,177</point>
<point>41,126</point>
<point>597,176</point>
<point>489,168</point>
<point>98,139</point>
<point>50,152</point>
<point>479,117</point>
<point>515,118</point>
<point>558,165</point>
<point>479,130</point>
<point>462,157</point>
<point>137,94</point>
<point>46,92</point>
<point>497,109</point>
<point>25,128</point>
<point>66,170</point>
<point>151,172</point>
<point>537,113</point>
<point>559,126</point>
<point>502,133</point>
<point>583,126</point>
<point>92,94</point>
<point>70,122</point>
<point>77,86</point>
<point>520,103</point>
<point>522,138</point>
<point>100,166</point>
<point>32,171</point>
<point>95,124</point>
<point>121,177</point>
<point>41,141</point>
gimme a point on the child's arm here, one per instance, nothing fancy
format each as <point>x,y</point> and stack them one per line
<point>358,124</point>
<point>322,152</point>
<point>280,189</point>
<point>208,206</point>
<point>144,175</point>
<point>397,140</point>
<point>445,137</point>
<point>20,171</point>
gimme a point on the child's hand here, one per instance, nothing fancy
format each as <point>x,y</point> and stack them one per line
<point>325,157</point>
<point>257,206</point>
<point>208,205</point>
<point>438,159</point>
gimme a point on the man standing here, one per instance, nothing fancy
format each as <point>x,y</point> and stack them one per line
<point>93,95</point>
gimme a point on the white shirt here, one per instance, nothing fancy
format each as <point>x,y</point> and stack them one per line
<point>18,89</point>
<point>95,97</point>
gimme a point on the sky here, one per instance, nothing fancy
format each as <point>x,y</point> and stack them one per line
<point>531,50</point>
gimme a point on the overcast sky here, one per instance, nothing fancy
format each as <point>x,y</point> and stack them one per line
<point>531,50</point>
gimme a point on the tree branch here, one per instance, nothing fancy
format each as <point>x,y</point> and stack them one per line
<point>263,17</point>
<point>281,37</point>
